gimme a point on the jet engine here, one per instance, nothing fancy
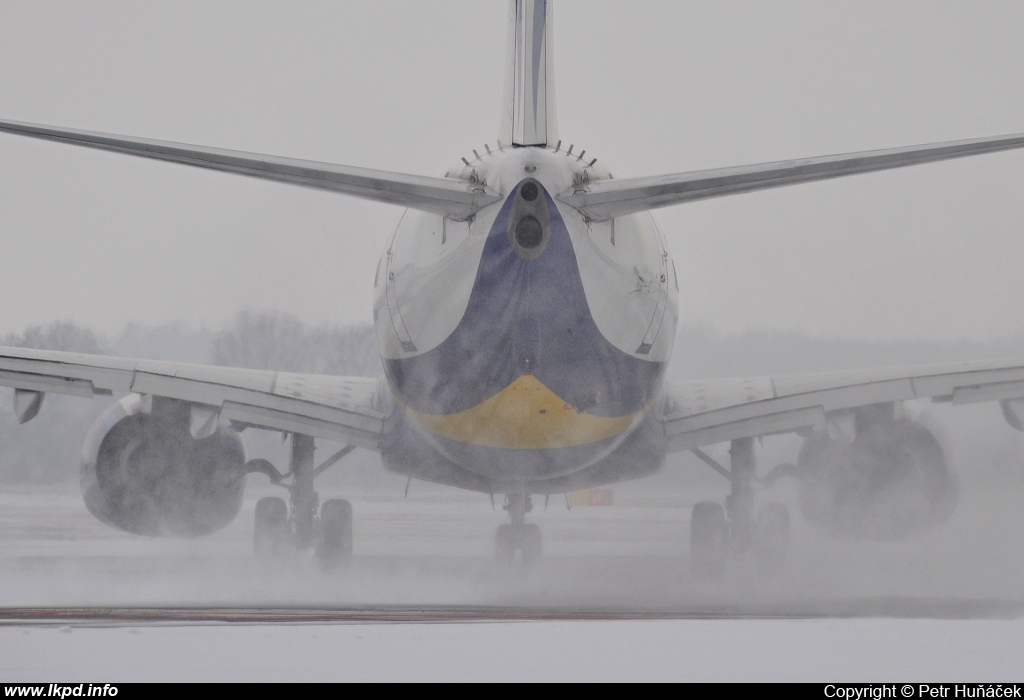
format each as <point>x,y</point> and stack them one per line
<point>143,471</point>
<point>881,476</point>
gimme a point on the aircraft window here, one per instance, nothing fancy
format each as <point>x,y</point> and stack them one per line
<point>529,233</point>
<point>528,192</point>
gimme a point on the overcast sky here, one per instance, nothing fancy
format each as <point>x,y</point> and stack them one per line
<point>935,252</point>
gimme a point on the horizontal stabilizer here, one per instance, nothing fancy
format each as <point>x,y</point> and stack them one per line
<point>456,199</point>
<point>606,199</point>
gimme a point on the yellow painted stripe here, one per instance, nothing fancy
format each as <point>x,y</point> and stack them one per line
<point>524,415</point>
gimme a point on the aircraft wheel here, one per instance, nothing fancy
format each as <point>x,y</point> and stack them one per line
<point>505,542</point>
<point>771,537</point>
<point>334,547</point>
<point>271,537</point>
<point>531,544</point>
<point>708,541</point>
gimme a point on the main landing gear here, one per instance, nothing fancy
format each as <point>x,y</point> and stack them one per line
<point>325,528</point>
<point>518,535</point>
<point>738,528</point>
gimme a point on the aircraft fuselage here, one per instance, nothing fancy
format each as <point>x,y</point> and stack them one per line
<point>526,345</point>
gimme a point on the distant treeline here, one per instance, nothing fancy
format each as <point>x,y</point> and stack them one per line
<point>254,339</point>
<point>702,353</point>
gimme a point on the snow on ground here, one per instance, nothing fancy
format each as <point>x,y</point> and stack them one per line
<point>661,650</point>
<point>436,548</point>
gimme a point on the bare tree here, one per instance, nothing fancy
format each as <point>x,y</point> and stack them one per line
<point>280,341</point>
<point>59,335</point>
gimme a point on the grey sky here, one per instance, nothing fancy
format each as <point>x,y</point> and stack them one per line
<point>933,252</point>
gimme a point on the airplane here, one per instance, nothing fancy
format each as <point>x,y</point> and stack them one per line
<point>525,311</point>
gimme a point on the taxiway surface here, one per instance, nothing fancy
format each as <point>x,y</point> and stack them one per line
<point>612,598</point>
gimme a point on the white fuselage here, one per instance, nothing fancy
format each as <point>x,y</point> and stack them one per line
<point>525,363</point>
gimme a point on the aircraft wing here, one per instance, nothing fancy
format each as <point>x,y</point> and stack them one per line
<point>343,409</point>
<point>718,410</point>
<point>457,199</point>
<point>605,199</point>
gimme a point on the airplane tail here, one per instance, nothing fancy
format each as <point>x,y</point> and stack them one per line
<point>528,110</point>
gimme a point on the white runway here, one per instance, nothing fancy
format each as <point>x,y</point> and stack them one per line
<point>680,650</point>
<point>945,606</point>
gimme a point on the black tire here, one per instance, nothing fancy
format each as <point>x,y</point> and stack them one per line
<point>531,544</point>
<point>271,536</point>
<point>708,541</point>
<point>771,538</point>
<point>505,544</point>
<point>334,546</point>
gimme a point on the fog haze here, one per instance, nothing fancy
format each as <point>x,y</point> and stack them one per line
<point>648,87</point>
<point>420,546</point>
<point>912,266</point>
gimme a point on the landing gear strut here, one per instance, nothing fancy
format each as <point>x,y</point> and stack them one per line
<point>327,528</point>
<point>738,528</point>
<point>518,535</point>
<point>305,499</point>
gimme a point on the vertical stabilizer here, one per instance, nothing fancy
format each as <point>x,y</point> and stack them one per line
<point>528,113</point>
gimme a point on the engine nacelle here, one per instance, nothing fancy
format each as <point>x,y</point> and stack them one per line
<point>890,482</point>
<point>143,472</point>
